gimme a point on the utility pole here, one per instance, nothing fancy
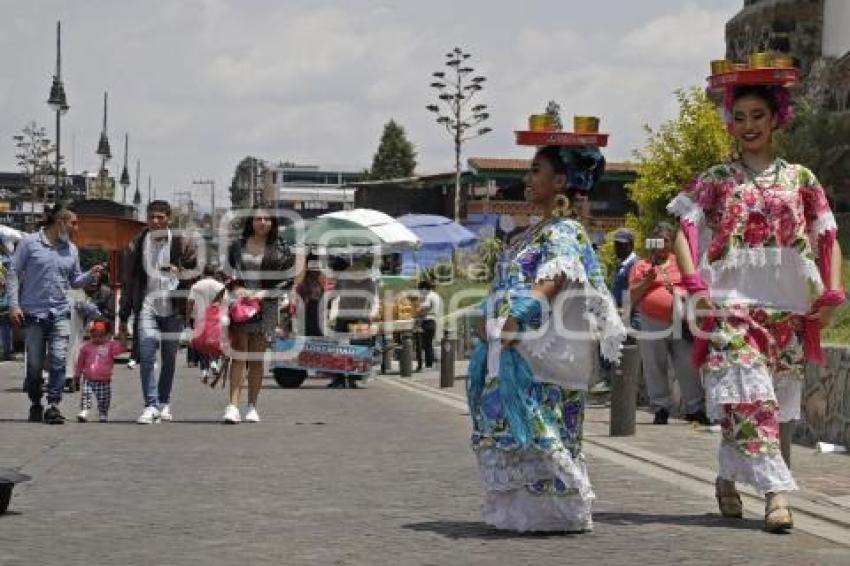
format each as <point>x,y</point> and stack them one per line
<point>188,196</point>
<point>211,184</point>
<point>253,182</point>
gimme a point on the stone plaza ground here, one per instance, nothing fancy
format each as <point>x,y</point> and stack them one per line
<point>381,475</point>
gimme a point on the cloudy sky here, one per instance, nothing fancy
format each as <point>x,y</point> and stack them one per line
<point>199,84</point>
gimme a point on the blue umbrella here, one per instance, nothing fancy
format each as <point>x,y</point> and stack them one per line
<point>439,237</point>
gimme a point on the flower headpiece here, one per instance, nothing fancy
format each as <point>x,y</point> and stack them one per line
<point>584,166</point>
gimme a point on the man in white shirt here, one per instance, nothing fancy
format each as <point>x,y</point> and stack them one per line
<point>159,266</point>
<point>201,295</point>
<point>429,311</point>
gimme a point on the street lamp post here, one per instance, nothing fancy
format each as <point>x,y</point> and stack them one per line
<point>453,109</point>
<point>137,196</point>
<point>59,103</point>
<point>104,152</point>
<point>125,174</point>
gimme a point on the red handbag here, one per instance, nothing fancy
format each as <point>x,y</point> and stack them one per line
<point>245,310</point>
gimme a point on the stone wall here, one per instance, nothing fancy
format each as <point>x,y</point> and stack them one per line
<point>826,400</point>
<point>794,27</point>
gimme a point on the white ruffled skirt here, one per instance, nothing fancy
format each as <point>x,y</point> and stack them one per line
<point>765,472</point>
<point>531,490</point>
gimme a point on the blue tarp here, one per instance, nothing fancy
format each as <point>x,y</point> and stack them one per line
<point>439,237</point>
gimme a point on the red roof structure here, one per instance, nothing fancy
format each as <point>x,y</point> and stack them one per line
<point>511,164</point>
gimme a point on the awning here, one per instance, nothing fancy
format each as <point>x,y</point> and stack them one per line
<point>433,230</point>
<point>440,237</point>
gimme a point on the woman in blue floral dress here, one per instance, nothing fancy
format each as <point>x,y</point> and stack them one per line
<point>527,380</point>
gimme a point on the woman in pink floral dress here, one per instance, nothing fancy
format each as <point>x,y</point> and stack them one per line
<point>758,253</point>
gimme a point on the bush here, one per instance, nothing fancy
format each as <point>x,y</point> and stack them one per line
<point>673,156</point>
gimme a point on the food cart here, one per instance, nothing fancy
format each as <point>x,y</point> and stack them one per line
<point>350,234</point>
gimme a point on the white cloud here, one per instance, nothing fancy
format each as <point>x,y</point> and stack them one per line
<point>680,38</point>
<point>201,83</point>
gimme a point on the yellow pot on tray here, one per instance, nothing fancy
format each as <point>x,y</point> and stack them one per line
<point>586,124</point>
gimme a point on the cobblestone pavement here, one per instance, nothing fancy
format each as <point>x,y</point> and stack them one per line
<point>374,476</point>
<point>826,475</point>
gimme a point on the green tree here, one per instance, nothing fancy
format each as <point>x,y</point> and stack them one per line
<point>820,140</point>
<point>395,158</point>
<point>674,154</point>
<point>34,149</point>
<point>484,269</point>
<point>243,182</point>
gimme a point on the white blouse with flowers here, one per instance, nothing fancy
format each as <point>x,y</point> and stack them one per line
<point>758,233</point>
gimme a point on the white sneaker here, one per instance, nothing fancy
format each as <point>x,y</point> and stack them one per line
<point>214,366</point>
<point>252,416</point>
<point>165,413</point>
<point>231,415</point>
<point>132,364</point>
<point>205,374</point>
<point>83,416</point>
<point>149,416</point>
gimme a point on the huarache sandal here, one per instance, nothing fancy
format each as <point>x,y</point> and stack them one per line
<point>728,498</point>
<point>777,513</point>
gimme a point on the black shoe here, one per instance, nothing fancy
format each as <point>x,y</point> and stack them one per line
<point>698,417</point>
<point>53,416</point>
<point>36,414</point>
<point>661,416</point>
<point>337,383</point>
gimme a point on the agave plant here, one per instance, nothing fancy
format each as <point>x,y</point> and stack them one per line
<point>489,251</point>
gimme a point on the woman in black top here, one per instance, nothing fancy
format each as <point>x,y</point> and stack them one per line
<point>259,263</point>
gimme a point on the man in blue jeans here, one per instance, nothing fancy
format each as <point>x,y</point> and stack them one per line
<point>44,266</point>
<point>159,271</point>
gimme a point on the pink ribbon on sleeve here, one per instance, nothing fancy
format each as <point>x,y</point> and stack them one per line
<point>831,298</point>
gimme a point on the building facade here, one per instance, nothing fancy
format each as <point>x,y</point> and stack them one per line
<point>309,190</point>
<point>493,197</point>
<point>22,200</point>
<point>816,33</point>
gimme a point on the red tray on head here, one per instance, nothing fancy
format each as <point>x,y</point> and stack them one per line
<point>786,76</point>
<point>565,139</point>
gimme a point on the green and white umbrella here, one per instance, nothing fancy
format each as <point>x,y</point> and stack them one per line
<point>358,228</point>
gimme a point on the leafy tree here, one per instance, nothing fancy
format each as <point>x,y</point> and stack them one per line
<point>240,186</point>
<point>395,158</point>
<point>674,154</point>
<point>820,140</point>
<point>489,251</point>
<point>33,153</point>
